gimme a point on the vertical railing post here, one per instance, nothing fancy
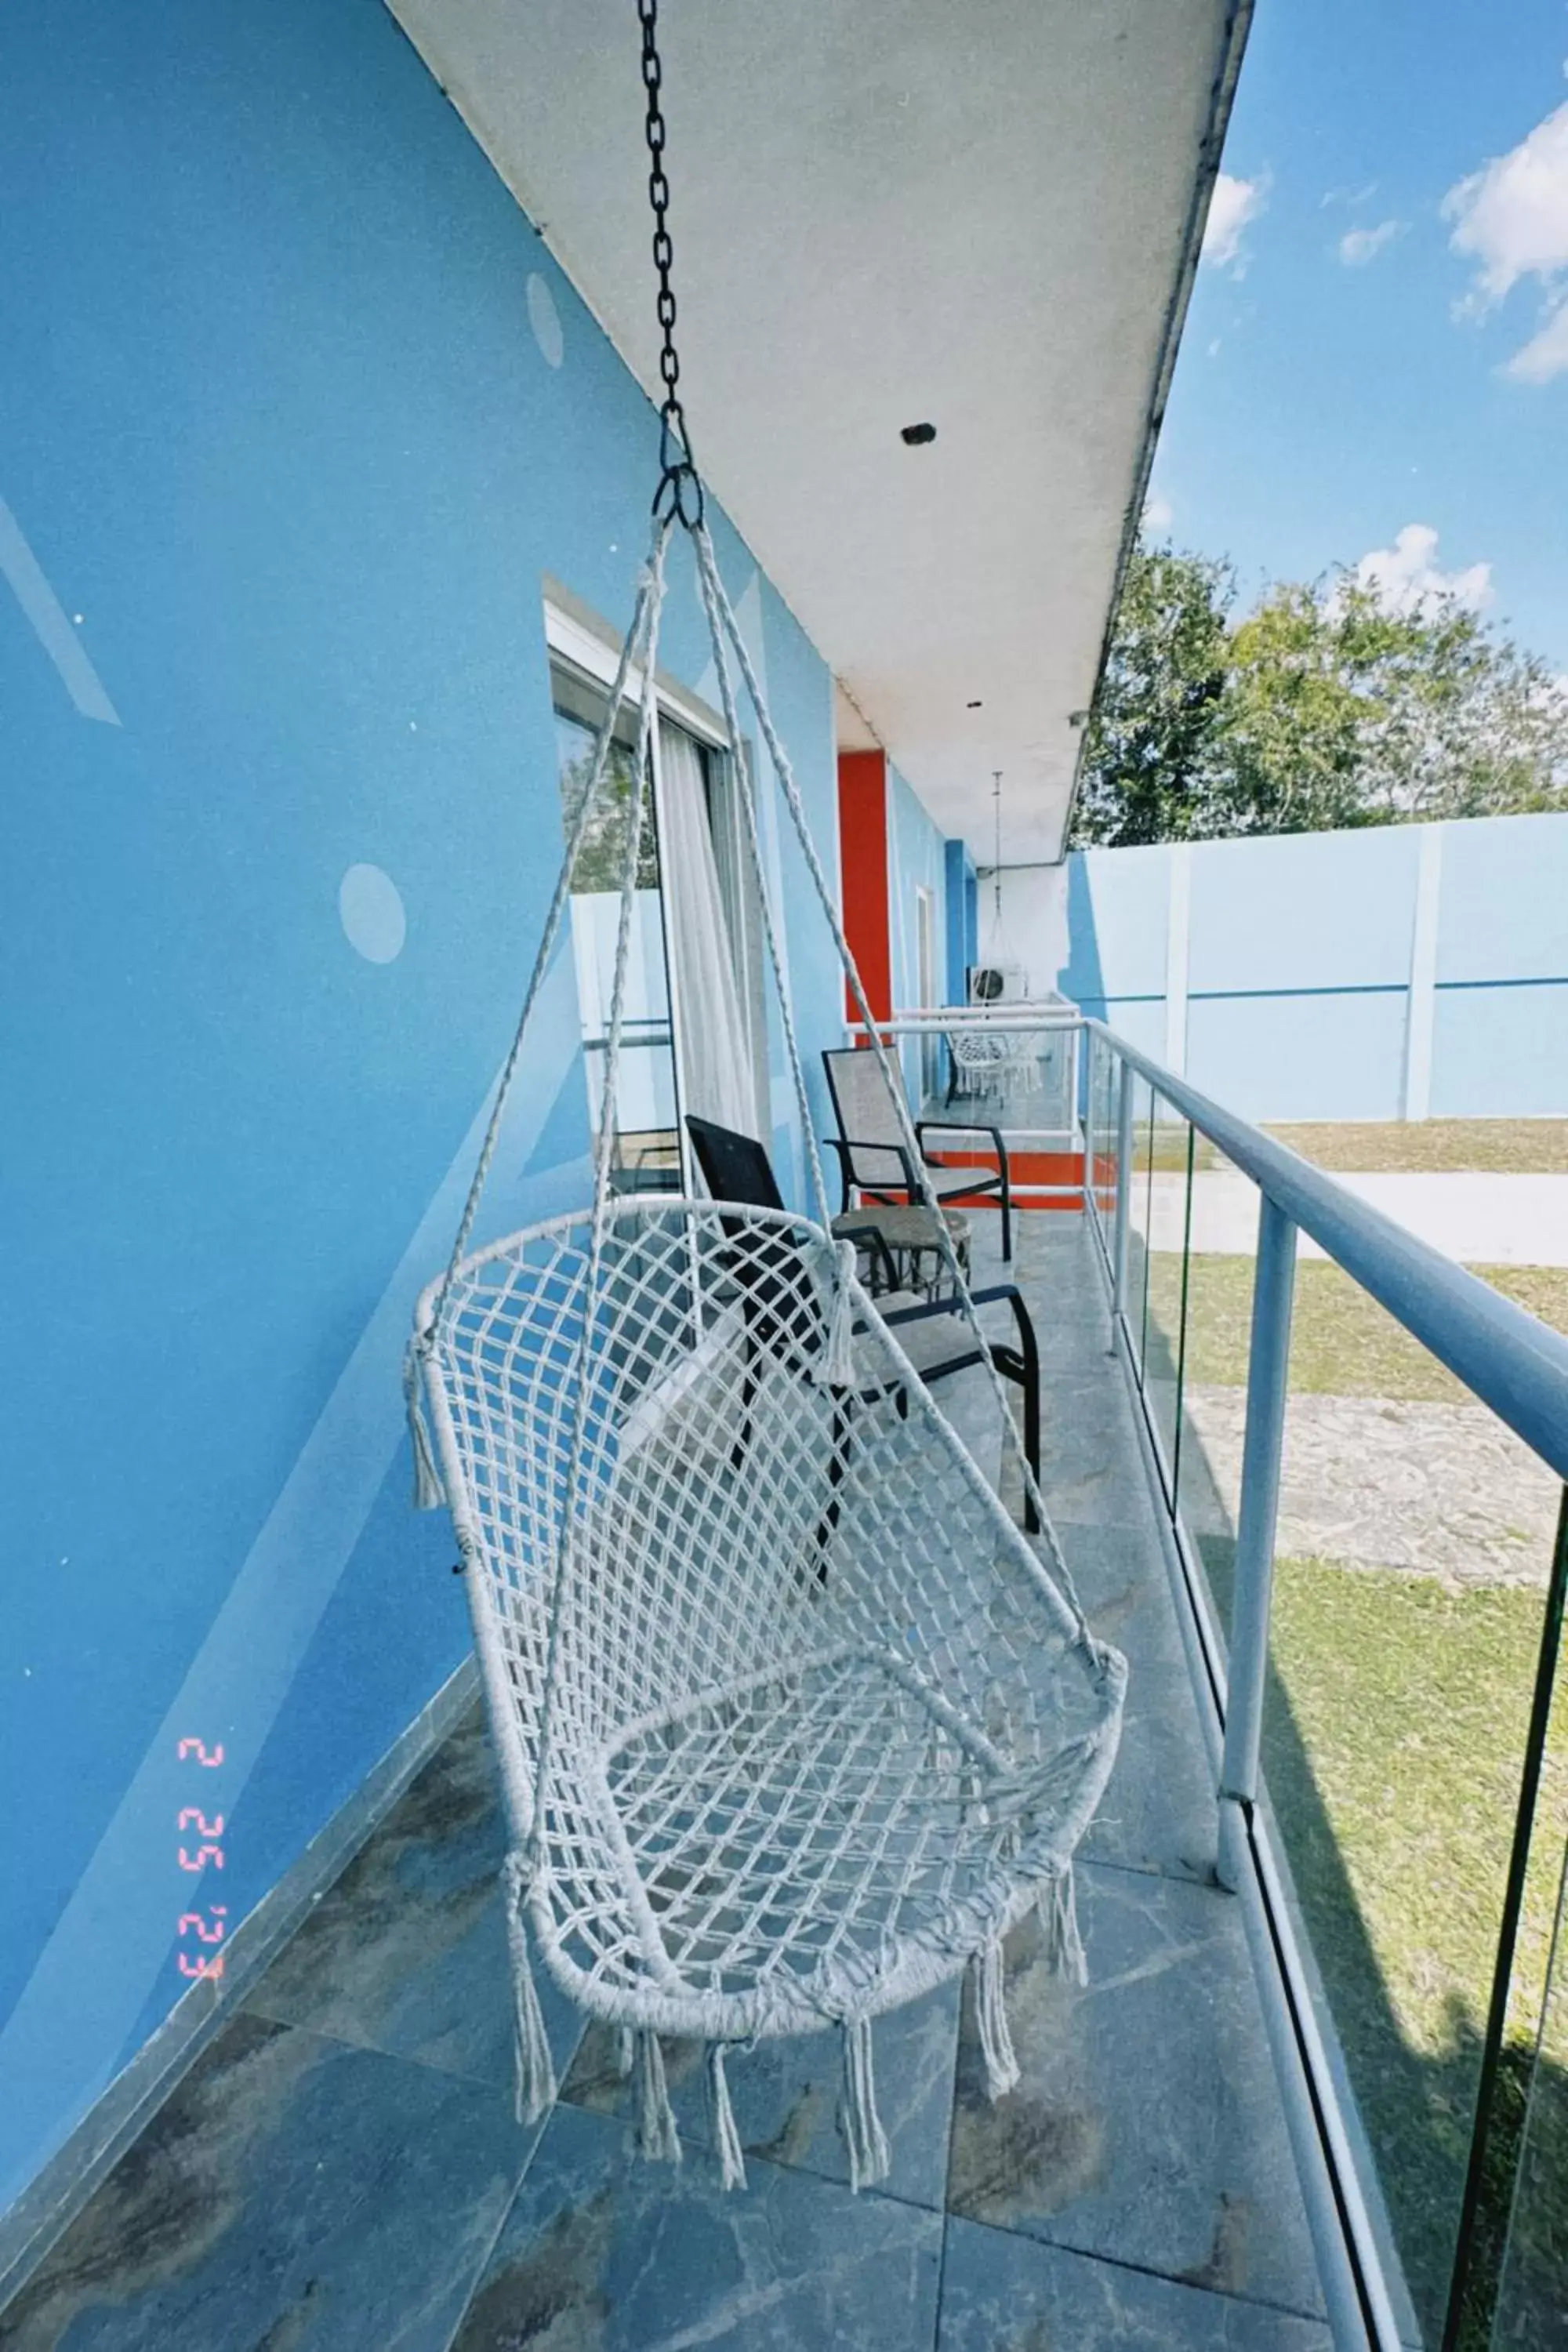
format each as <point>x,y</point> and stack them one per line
<point>1267,1392</point>
<point>1123,1192</point>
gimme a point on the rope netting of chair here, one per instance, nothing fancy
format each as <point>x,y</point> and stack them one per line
<point>794,1721</point>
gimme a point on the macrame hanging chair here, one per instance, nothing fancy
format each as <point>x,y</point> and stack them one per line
<point>794,1723</point>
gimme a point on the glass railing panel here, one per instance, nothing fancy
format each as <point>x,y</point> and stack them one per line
<point>1100,1138</point>
<point>1172,1147</point>
<point>1090,1087</point>
<point>1222,1260</point>
<point>1414,1545</point>
<point>1140,1201</point>
<point>1532,2309</point>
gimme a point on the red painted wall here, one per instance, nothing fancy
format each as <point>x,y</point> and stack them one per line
<point>863,861</point>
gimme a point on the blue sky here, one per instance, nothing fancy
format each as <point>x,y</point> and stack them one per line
<point>1378,340</point>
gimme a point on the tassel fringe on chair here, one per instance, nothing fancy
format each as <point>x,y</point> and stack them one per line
<point>657,2137</point>
<point>1057,1906</point>
<point>726,2138</point>
<point>535,2067</point>
<point>865,2141</point>
<point>991,2015</point>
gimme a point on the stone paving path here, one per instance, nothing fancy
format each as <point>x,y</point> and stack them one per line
<point>1442,1490</point>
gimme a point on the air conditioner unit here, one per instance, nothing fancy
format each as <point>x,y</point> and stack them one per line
<point>997,983</point>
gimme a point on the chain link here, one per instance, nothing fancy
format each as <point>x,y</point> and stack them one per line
<point>679,482</point>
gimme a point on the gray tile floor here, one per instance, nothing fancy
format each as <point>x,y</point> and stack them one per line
<point>341,2171</point>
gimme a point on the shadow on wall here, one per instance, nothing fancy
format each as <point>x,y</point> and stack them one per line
<point>1082,977</point>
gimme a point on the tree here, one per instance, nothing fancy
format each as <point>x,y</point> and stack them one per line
<point>1148,765</point>
<point>1326,706</point>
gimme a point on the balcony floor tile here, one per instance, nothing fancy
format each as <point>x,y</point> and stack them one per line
<point>605,2252</point>
<point>292,2194</point>
<point>1146,2126</point>
<point>1004,2295</point>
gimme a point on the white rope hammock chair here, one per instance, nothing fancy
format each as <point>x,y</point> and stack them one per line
<point>793,1722</point>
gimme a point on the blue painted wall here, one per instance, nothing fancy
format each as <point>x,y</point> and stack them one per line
<point>1299,966</point>
<point>291,462</point>
<point>1500,1027</point>
<point>962,920</point>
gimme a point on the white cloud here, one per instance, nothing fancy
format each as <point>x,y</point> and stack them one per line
<point>1360,246</point>
<point>1546,353</point>
<point>1407,575</point>
<point>1235,203</point>
<point>1159,514</point>
<point>1511,218</point>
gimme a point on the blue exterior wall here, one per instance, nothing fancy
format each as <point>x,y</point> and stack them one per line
<point>277,428</point>
<point>1501,1030</point>
<point>962,920</point>
<point>1299,966</point>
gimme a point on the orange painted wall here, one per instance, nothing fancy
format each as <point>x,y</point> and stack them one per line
<point>863,861</point>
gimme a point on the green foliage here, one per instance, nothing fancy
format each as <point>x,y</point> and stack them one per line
<point>1323,706</point>
<point>601,861</point>
<point>1150,770</point>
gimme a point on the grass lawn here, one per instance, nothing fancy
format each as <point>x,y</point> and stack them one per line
<point>1509,1146</point>
<point>1394,1729</point>
<point>1493,1146</point>
<point>1343,1342</point>
<point>1534,2304</point>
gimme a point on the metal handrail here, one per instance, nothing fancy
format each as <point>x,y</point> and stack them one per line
<point>1024,1017</point>
<point>1507,1358</point>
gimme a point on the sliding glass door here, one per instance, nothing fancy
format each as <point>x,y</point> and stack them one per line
<point>692,1027</point>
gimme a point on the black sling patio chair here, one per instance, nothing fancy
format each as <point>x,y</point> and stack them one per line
<point>873,1157</point>
<point>931,1332</point>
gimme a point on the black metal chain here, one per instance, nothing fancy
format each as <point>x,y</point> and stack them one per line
<point>679,482</point>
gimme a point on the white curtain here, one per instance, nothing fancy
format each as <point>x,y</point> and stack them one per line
<point>715,1062</point>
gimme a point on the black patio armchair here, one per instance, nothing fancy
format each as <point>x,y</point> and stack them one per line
<point>736,1168</point>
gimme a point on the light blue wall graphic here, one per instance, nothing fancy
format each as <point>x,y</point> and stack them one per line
<point>370,907</point>
<point>545,320</point>
<point>55,633</point>
<point>1406,970</point>
<point>299,415</point>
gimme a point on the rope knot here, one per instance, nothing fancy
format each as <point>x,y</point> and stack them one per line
<point>429,1494</point>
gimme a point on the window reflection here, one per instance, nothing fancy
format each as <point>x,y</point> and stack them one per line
<point>646,1112</point>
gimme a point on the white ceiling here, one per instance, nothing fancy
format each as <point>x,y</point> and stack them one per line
<point>982,215</point>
